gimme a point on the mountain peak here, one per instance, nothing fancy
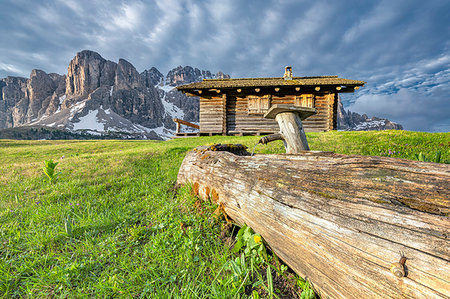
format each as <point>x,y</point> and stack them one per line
<point>87,71</point>
<point>152,77</point>
<point>184,75</point>
<point>88,54</point>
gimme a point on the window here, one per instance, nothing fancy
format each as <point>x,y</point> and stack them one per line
<point>304,100</point>
<point>258,105</point>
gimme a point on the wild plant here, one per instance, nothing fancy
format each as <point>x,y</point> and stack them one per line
<point>49,170</point>
<point>248,265</point>
<point>421,157</point>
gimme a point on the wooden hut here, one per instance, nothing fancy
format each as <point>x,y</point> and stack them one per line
<point>237,106</point>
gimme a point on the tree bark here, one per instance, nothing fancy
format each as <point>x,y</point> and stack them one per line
<point>339,221</point>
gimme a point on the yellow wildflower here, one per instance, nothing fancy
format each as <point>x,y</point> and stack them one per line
<point>257,238</point>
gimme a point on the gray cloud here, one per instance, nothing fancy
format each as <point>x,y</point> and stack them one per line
<point>401,48</point>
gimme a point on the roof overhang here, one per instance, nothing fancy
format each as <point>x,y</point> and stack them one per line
<point>275,86</point>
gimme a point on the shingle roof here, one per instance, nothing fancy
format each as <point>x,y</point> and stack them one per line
<point>269,82</point>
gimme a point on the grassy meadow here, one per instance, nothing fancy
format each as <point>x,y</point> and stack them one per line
<point>112,224</point>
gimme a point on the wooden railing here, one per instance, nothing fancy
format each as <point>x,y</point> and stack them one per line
<point>180,122</point>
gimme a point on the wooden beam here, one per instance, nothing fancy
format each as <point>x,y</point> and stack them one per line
<point>277,89</point>
<point>317,88</point>
<point>338,87</point>
<point>257,89</point>
<point>238,90</point>
<point>297,89</point>
<point>186,123</point>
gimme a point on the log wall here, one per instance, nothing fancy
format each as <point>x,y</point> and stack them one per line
<point>211,115</point>
<point>230,115</point>
<point>239,120</point>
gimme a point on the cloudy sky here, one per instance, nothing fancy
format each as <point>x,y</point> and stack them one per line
<point>400,47</point>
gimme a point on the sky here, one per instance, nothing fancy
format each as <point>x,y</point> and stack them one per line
<point>401,48</point>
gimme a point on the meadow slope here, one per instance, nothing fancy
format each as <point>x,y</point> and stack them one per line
<point>112,224</point>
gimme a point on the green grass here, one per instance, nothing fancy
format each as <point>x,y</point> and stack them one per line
<point>113,225</point>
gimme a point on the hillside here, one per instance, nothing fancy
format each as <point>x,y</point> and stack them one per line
<point>114,225</point>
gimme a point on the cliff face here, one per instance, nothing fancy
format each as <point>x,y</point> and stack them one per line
<point>352,121</point>
<point>13,90</point>
<point>184,75</point>
<point>187,74</point>
<point>88,71</point>
<point>152,77</point>
<point>98,96</point>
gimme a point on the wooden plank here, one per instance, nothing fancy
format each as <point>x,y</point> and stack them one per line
<point>340,220</point>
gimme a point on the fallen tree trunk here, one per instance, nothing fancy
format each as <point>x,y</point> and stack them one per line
<point>339,221</point>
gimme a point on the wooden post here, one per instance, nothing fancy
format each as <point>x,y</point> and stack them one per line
<point>289,120</point>
<point>178,127</point>
<point>292,130</point>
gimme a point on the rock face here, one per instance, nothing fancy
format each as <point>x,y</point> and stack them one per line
<point>187,74</point>
<point>184,75</point>
<point>101,97</point>
<point>88,71</point>
<point>352,121</point>
<point>152,77</point>
<point>13,90</point>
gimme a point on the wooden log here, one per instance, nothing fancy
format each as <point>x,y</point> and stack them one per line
<point>339,221</point>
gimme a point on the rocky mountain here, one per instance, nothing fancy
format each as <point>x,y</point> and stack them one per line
<point>352,121</point>
<point>98,97</point>
<point>101,97</point>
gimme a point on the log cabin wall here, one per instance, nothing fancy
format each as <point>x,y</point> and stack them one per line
<point>237,106</point>
<point>324,120</point>
<point>211,115</point>
<point>231,115</point>
<point>239,120</point>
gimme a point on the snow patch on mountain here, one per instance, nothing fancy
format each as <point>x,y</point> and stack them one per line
<point>170,109</point>
<point>89,122</point>
<point>77,107</point>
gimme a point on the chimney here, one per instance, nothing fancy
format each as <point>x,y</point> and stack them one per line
<point>287,73</point>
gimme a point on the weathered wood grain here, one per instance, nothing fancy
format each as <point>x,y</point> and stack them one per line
<point>339,221</point>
